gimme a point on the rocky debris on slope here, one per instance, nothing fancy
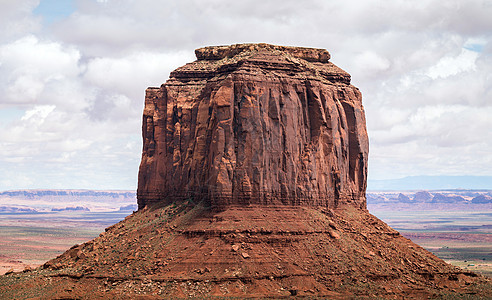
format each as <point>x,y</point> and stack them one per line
<point>190,250</point>
<point>255,124</point>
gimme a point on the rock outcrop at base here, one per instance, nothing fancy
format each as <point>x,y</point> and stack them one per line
<point>188,250</point>
<point>255,124</point>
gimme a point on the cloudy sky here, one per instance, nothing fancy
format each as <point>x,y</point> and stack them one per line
<point>73,75</point>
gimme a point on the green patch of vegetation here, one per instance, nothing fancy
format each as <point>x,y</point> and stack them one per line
<point>465,254</point>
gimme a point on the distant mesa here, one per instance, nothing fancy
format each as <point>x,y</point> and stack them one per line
<point>482,199</point>
<point>129,208</point>
<point>437,198</point>
<point>71,208</point>
<point>440,198</point>
<point>67,200</point>
<point>403,198</point>
<point>422,196</point>
<point>14,209</point>
<point>65,193</point>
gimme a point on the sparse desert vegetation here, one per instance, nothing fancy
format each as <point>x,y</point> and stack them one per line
<point>456,225</point>
<point>30,239</point>
<point>191,250</point>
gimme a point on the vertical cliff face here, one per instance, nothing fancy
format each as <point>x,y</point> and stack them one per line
<point>255,124</point>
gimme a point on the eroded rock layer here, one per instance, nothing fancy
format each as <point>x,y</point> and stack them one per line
<point>255,124</point>
<point>188,250</point>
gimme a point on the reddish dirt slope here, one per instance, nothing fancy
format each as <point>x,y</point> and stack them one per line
<point>192,251</point>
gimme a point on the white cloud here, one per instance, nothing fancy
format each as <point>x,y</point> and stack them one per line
<point>131,74</point>
<point>38,114</point>
<point>371,64</point>
<point>76,88</point>
<point>16,18</point>
<point>28,64</point>
<point>452,65</point>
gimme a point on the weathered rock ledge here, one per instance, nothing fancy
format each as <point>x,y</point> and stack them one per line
<point>220,52</point>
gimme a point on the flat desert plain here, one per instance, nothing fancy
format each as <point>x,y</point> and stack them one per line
<point>460,232</point>
<point>460,235</point>
<point>30,239</point>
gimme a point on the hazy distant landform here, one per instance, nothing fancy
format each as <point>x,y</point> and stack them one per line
<point>457,197</point>
<point>32,201</point>
<point>42,201</point>
<point>455,225</point>
<point>37,225</point>
<point>431,183</point>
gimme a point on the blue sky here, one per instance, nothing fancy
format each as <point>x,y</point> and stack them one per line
<point>73,76</point>
<point>54,10</point>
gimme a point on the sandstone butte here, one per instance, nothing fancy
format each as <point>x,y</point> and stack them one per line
<point>255,124</point>
<point>252,185</point>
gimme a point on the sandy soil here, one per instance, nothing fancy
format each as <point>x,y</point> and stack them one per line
<point>188,250</point>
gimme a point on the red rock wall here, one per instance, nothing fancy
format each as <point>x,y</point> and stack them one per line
<point>255,124</point>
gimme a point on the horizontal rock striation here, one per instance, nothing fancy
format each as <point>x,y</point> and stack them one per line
<point>189,250</point>
<point>255,124</point>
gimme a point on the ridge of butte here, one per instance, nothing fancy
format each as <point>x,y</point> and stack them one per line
<point>255,124</point>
